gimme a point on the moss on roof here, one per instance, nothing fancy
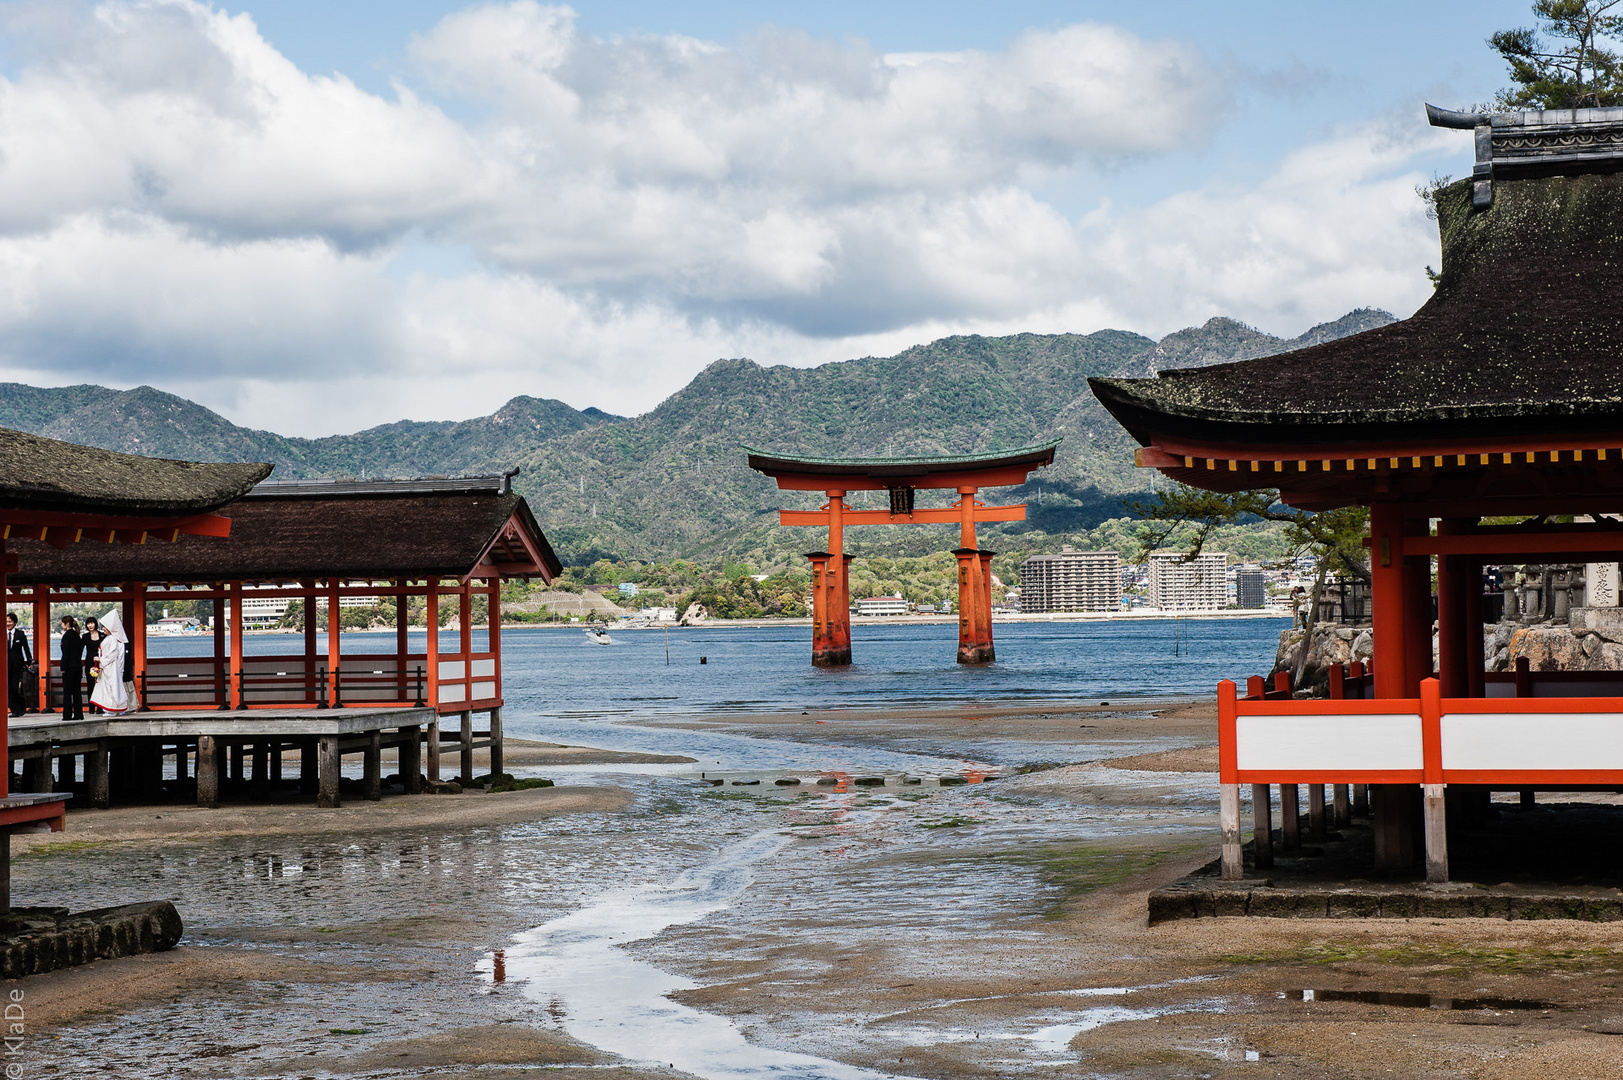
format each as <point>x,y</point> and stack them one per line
<point>1525,329</point>
<point>60,477</point>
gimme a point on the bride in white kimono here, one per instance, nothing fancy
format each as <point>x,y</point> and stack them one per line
<point>110,693</point>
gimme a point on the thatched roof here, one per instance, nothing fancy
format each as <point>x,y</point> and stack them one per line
<point>1523,334</point>
<point>285,532</point>
<point>45,475</point>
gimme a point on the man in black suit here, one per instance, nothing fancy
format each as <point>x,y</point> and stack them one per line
<point>73,650</point>
<point>18,657</point>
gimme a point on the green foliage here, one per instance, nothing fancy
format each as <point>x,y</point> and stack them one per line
<point>1563,63</point>
<point>1191,515</point>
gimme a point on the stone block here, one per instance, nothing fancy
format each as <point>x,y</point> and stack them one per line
<point>1232,901</point>
<point>1606,656</point>
<point>1354,905</point>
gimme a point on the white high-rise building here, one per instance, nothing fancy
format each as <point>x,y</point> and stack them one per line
<point>1200,584</point>
<point>1071,581</point>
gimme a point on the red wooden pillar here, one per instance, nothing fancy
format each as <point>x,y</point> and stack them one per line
<point>136,628</point>
<point>1386,598</point>
<point>494,621</point>
<point>1417,621</point>
<point>400,651</point>
<point>42,644</point>
<point>1475,646</point>
<point>312,626</point>
<point>974,587</point>
<point>335,633</point>
<point>465,621</point>
<point>822,625</point>
<point>220,676</point>
<point>1453,630</point>
<point>838,578</point>
<point>7,565</point>
<point>237,697</point>
<point>431,661</point>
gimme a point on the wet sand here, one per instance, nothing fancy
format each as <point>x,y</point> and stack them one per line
<point>996,929</point>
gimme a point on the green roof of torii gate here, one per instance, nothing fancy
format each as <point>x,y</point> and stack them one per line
<point>901,468</point>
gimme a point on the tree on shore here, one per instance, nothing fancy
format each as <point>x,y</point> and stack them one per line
<point>1188,515</point>
<point>1563,63</point>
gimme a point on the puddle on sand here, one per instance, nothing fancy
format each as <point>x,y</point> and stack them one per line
<point>1422,1001</point>
<point>620,1004</point>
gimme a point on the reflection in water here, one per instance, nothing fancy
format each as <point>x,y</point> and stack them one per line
<point>620,1004</point>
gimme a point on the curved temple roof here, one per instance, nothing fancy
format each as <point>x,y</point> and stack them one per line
<point>902,469</point>
<point>49,476</point>
<point>1522,336</point>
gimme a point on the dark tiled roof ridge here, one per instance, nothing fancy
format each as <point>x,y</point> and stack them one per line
<point>49,475</point>
<point>926,459</point>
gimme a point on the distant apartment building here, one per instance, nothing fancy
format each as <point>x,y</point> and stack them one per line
<point>1198,585</point>
<point>1071,581</point>
<point>1250,589</point>
<point>882,605</point>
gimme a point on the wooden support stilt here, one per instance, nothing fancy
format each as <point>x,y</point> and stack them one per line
<point>96,777</point>
<point>433,769</point>
<point>208,777</point>
<point>260,784</point>
<point>1360,800</point>
<point>5,870</point>
<point>1527,799</point>
<point>1262,826</point>
<point>1436,815</point>
<point>496,741</point>
<point>276,751</point>
<point>331,762</point>
<point>1290,817</point>
<point>1315,813</point>
<point>410,760</point>
<point>309,782</point>
<point>1343,806</point>
<point>373,766</point>
<point>465,749</point>
<point>1229,823</point>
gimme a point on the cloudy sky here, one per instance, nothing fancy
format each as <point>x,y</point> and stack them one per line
<point>316,217</point>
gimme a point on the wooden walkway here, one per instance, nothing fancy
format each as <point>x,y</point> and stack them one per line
<point>126,757</point>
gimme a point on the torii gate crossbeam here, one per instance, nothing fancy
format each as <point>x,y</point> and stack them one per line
<point>836,477</point>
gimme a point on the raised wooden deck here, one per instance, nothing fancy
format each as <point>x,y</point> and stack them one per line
<point>103,757</point>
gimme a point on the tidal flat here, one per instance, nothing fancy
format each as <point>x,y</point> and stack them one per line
<point>638,920</point>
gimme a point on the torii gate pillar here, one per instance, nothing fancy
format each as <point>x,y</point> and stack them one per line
<point>831,609</point>
<point>974,587</point>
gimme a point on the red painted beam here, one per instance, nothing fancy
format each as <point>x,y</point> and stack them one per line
<point>1006,476</point>
<point>944,516</point>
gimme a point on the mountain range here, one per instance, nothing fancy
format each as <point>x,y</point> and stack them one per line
<point>673,481</point>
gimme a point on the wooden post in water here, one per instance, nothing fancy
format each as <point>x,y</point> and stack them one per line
<point>410,759</point>
<point>1229,824</point>
<point>1262,826</point>
<point>433,769</point>
<point>208,774</point>
<point>1315,812</point>
<point>1290,817</point>
<point>331,761</point>
<point>1343,806</point>
<point>373,766</point>
<point>1360,800</point>
<point>465,750</point>
<point>496,741</point>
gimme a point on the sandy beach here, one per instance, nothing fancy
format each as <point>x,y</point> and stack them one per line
<point>992,929</point>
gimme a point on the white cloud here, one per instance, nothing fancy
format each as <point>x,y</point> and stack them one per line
<point>180,205</point>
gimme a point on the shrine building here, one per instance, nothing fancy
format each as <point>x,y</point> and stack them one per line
<point>1485,430</point>
<point>218,716</point>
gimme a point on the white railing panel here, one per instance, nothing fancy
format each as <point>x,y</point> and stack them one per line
<point>1343,743</point>
<point>1532,742</point>
<point>484,668</point>
<point>451,669</point>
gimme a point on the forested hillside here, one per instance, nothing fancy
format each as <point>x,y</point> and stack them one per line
<point>672,482</point>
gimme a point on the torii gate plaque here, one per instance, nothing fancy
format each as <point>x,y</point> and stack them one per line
<point>831,593</point>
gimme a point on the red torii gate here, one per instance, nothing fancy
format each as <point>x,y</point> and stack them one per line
<point>966,474</point>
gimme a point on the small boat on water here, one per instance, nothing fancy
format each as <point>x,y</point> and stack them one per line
<point>598,635</point>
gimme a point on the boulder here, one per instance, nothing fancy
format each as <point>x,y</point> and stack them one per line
<point>1608,656</point>
<point>1547,648</point>
<point>694,614</point>
<point>1332,645</point>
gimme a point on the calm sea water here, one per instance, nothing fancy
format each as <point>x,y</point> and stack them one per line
<point>559,673</point>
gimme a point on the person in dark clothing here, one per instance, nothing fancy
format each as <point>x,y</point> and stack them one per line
<point>18,659</point>
<point>73,652</point>
<point>91,640</point>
